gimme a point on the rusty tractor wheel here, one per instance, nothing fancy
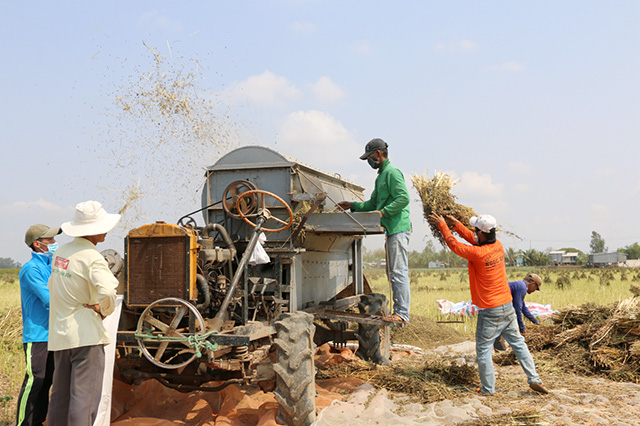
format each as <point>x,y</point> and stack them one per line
<point>374,341</point>
<point>295,370</point>
<point>163,318</point>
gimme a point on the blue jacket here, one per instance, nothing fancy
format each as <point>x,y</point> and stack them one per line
<point>34,295</point>
<point>518,292</point>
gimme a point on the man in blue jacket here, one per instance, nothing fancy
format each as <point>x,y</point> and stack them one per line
<point>34,294</point>
<point>519,289</point>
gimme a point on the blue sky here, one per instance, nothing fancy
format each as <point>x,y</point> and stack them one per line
<point>533,106</point>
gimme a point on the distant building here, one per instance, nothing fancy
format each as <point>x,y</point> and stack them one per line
<point>555,257</point>
<point>436,264</point>
<point>561,257</point>
<point>569,258</point>
<point>606,259</point>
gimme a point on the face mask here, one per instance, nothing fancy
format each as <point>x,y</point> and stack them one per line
<point>374,164</point>
<point>50,249</point>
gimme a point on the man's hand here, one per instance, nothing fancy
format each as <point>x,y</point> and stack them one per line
<point>435,219</point>
<point>95,308</point>
<point>451,221</point>
<point>344,205</point>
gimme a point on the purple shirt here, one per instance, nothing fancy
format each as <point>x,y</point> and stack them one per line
<point>518,292</point>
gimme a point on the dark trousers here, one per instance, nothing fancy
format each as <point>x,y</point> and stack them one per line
<point>34,394</point>
<point>77,386</point>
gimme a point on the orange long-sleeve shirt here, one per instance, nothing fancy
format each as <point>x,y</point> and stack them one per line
<point>487,271</point>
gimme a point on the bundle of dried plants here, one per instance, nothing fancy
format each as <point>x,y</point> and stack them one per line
<point>435,194</point>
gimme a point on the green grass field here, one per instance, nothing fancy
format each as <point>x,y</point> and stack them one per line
<point>560,288</point>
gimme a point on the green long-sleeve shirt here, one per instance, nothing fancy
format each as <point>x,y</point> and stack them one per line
<point>390,196</point>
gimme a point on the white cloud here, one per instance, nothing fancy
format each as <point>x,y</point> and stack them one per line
<point>562,219</point>
<point>39,206</point>
<point>521,168</point>
<point>304,27</point>
<point>521,187</point>
<point>326,90</point>
<point>456,46</point>
<point>509,66</point>
<point>362,47</point>
<point>600,214</point>
<point>266,89</point>
<point>154,20</point>
<point>468,45</point>
<point>481,193</point>
<point>606,172</point>
<point>479,185</point>
<point>318,139</point>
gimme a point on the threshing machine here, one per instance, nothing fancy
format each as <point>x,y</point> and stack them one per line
<point>199,308</point>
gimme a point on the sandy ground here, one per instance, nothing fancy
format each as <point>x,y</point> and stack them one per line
<point>572,400</point>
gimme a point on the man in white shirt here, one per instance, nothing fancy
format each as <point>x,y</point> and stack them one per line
<point>83,292</point>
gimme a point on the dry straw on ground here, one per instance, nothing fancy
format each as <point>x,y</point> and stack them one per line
<point>590,339</point>
<point>435,194</point>
<point>426,379</point>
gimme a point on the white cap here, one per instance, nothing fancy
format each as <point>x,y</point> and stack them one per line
<point>90,219</point>
<point>484,222</point>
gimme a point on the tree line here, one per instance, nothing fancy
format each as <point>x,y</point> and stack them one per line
<point>531,257</point>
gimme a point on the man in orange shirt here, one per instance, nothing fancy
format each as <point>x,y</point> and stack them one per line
<point>490,292</point>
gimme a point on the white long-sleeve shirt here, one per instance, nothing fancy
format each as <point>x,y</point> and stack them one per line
<point>79,275</point>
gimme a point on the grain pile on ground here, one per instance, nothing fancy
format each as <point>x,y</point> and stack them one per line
<point>590,339</point>
<point>435,194</point>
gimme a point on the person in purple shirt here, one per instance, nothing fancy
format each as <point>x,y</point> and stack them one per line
<point>519,289</point>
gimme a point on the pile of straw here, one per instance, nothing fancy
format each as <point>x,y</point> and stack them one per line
<point>593,339</point>
<point>435,194</point>
<point>427,379</point>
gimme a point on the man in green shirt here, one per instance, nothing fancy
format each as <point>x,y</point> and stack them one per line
<point>390,199</point>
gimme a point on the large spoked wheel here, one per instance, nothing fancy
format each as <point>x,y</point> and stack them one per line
<point>374,343</point>
<point>168,318</point>
<point>265,212</point>
<point>249,205</point>
<point>294,368</point>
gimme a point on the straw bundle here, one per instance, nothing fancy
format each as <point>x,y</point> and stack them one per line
<point>435,194</point>
<point>594,339</point>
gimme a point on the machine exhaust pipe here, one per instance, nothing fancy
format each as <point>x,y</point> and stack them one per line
<point>225,236</point>
<point>203,288</point>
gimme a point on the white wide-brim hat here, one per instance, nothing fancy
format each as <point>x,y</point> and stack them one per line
<point>90,219</point>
